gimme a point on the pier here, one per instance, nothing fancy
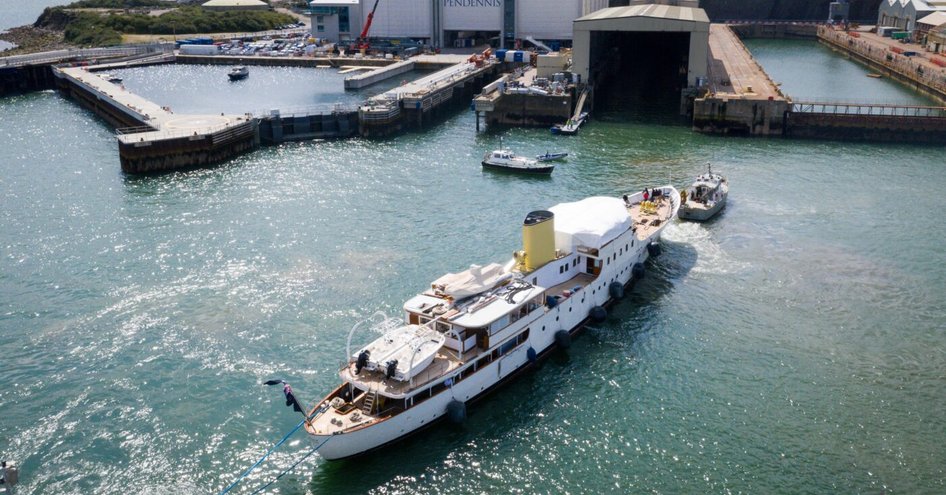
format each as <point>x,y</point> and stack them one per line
<point>152,138</point>
<point>741,97</point>
<point>414,103</point>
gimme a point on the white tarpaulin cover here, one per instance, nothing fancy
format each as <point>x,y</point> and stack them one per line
<point>591,222</point>
<point>470,282</point>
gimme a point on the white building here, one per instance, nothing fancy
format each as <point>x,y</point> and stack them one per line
<point>449,23</point>
<point>903,14</point>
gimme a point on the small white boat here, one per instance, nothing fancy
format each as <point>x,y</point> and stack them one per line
<point>548,157</point>
<point>504,159</point>
<point>238,72</point>
<point>705,197</point>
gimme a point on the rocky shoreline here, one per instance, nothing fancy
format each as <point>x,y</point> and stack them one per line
<point>31,39</point>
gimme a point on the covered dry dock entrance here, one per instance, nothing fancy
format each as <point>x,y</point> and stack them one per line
<point>649,52</point>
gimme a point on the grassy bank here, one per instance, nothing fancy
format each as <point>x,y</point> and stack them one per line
<point>99,23</point>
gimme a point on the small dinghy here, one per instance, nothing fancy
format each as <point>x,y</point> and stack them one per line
<point>548,157</point>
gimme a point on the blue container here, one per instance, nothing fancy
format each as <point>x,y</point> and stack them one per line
<point>517,57</point>
<point>501,55</point>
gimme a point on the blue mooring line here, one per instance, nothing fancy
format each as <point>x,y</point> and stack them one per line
<point>273,449</point>
<point>260,489</point>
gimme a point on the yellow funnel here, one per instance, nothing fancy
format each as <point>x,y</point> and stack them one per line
<point>538,239</point>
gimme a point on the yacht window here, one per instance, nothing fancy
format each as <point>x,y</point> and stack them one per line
<point>442,327</point>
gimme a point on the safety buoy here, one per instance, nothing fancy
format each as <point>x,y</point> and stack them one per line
<point>637,271</point>
<point>531,355</point>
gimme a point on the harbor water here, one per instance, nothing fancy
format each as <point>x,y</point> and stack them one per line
<point>795,344</point>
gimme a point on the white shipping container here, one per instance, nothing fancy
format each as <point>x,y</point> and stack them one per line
<point>199,50</point>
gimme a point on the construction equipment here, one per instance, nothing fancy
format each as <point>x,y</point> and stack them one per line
<point>480,58</point>
<point>362,42</point>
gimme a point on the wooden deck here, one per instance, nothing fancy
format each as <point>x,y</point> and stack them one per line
<point>646,221</point>
<point>444,363</point>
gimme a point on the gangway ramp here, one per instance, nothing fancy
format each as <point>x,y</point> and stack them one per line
<point>580,106</point>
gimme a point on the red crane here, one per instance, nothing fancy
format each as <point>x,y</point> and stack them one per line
<point>363,39</point>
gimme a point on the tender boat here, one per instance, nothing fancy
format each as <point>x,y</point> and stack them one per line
<point>504,159</point>
<point>550,157</point>
<point>472,331</point>
<point>705,197</point>
<point>238,72</point>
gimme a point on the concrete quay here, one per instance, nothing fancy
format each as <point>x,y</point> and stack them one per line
<point>741,97</point>
<point>375,76</point>
<point>416,102</point>
<point>504,103</point>
<point>152,138</point>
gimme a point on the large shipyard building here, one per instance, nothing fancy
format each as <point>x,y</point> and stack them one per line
<point>453,23</point>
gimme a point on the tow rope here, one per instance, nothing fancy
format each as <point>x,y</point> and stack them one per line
<point>273,449</point>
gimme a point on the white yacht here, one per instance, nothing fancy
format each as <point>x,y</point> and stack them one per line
<point>471,331</point>
<point>705,197</point>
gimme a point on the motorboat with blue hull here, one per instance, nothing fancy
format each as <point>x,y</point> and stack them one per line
<point>705,197</point>
<point>473,330</point>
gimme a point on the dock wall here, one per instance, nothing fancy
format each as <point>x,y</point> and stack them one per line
<point>877,128</point>
<point>776,30</point>
<point>198,150</point>
<point>531,110</point>
<point>281,61</point>
<point>920,77</point>
<point>276,129</point>
<point>100,104</point>
<point>737,116</point>
<point>25,79</point>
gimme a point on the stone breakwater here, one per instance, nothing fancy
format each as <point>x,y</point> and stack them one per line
<point>31,39</point>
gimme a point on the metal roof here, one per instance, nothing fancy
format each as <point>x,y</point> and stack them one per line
<point>668,12</point>
<point>934,19</point>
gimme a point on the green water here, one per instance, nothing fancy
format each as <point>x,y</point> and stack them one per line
<point>793,345</point>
